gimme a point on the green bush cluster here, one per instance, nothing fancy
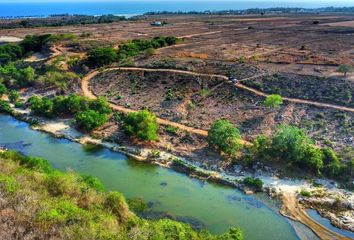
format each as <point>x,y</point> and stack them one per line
<point>89,114</point>
<point>141,124</point>
<point>5,107</point>
<point>224,137</point>
<point>30,44</point>
<point>10,52</point>
<point>17,76</point>
<point>66,206</point>
<point>106,55</point>
<point>292,145</point>
<point>256,183</point>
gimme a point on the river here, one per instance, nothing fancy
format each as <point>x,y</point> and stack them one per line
<point>215,206</point>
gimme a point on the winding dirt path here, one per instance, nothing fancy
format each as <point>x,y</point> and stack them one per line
<point>239,85</point>
<point>292,209</point>
<point>88,93</point>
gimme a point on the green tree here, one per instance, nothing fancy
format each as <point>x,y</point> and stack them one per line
<point>289,143</point>
<point>100,105</point>
<point>345,69</point>
<point>332,164</point>
<point>14,96</point>
<point>102,56</point>
<point>5,107</point>
<point>224,137</point>
<point>142,124</point>
<point>3,89</point>
<point>312,159</point>
<point>232,234</point>
<point>41,106</point>
<point>273,101</point>
<point>90,119</point>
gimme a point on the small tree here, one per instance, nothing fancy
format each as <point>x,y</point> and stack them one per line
<point>89,120</point>
<point>14,96</point>
<point>142,124</point>
<point>345,69</point>
<point>102,56</point>
<point>224,137</point>
<point>3,89</point>
<point>273,101</point>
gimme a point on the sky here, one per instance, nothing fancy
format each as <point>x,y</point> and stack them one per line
<point>278,1</point>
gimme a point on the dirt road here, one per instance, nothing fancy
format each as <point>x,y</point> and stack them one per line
<point>88,93</point>
<point>292,209</point>
<point>240,85</point>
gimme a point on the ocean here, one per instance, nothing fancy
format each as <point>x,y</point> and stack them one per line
<point>126,8</point>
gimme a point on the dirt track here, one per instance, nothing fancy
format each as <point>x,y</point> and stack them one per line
<point>293,210</point>
<point>239,85</point>
<point>87,92</point>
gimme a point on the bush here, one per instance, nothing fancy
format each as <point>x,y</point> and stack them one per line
<point>100,105</point>
<point>93,183</point>
<point>141,124</point>
<point>172,130</point>
<point>3,90</point>
<point>90,119</point>
<point>273,101</point>
<point>233,234</point>
<point>20,76</point>
<point>305,193</point>
<point>14,96</point>
<point>102,56</point>
<point>58,79</point>
<point>332,164</point>
<point>5,107</point>
<point>41,106</point>
<point>256,183</point>
<point>224,137</point>
<point>115,202</point>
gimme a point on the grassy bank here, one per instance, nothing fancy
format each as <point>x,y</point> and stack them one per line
<point>47,203</point>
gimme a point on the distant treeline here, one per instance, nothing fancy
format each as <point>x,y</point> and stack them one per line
<point>260,11</point>
<point>60,20</point>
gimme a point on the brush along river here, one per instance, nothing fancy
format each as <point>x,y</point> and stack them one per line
<point>168,193</point>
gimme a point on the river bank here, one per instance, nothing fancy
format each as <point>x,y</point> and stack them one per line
<point>274,186</point>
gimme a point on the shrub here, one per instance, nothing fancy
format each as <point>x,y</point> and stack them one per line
<point>141,124</point>
<point>256,183</point>
<point>305,193</point>
<point>5,107</point>
<point>3,90</point>
<point>332,164</point>
<point>100,105</point>
<point>41,106</point>
<point>102,56</point>
<point>273,101</point>
<point>345,69</point>
<point>172,130</point>
<point>224,137</point>
<point>36,163</point>
<point>115,202</point>
<point>90,119</point>
<point>93,182</point>
<point>233,234</point>
<point>14,96</point>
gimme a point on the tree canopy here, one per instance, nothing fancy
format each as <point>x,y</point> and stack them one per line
<point>273,101</point>
<point>224,137</point>
<point>142,124</point>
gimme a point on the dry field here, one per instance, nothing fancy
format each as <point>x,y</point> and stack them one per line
<point>300,57</point>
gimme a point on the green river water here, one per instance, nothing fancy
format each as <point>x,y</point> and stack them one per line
<point>217,207</point>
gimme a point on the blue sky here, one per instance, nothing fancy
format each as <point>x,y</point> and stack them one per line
<point>277,1</point>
